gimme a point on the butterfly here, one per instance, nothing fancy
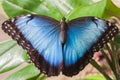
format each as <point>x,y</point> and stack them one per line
<point>65,46</point>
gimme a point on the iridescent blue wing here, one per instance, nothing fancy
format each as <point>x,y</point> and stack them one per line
<point>84,37</point>
<point>39,35</point>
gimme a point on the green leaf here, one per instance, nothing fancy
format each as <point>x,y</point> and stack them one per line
<point>38,77</point>
<point>6,45</point>
<point>111,10</point>
<point>12,55</point>
<point>117,39</point>
<point>94,77</point>
<point>41,77</point>
<point>95,9</point>
<point>25,73</point>
<point>20,7</point>
<point>77,3</point>
<point>56,10</point>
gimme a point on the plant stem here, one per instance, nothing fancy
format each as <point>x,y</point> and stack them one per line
<point>93,62</point>
<point>113,57</point>
<point>107,59</point>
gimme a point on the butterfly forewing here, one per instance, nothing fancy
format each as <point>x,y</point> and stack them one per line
<point>84,37</point>
<point>41,39</point>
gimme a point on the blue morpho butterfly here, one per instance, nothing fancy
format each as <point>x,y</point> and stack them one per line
<point>55,46</point>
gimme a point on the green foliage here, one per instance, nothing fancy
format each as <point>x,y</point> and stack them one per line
<point>94,77</point>
<point>11,55</point>
<point>111,10</point>
<point>78,3</point>
<point>117,39</point>
<point>88,10</point>
<point>20,7</point>
<point>26,73</point>
<point>56,9</point>
<point>5,46</point>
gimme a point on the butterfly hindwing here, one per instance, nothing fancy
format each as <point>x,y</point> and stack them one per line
<point>42,33</point>
<point>83,35</point>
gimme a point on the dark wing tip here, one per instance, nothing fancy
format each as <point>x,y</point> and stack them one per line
<point>78,66</point>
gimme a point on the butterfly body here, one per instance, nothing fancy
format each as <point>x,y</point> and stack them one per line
<point>63,30</point>
<point>55,46</point>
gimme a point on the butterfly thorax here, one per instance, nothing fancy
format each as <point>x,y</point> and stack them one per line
<point>63,32</point>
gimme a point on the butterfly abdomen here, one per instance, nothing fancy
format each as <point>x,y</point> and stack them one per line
<point>63,31</point>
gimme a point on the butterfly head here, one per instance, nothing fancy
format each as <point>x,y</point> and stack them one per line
<point>63,19</point>
<point>63,24</point>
